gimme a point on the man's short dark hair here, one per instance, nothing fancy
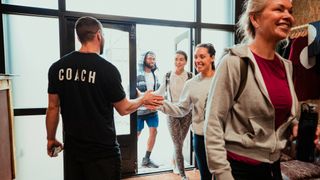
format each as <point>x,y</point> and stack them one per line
<point>86,27</point>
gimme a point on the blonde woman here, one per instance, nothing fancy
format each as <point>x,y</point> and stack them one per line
<point>244,136</point>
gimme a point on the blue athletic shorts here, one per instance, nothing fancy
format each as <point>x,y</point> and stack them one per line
<point>152,120</point>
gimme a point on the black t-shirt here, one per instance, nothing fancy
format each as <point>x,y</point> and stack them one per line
<point>87,86</point>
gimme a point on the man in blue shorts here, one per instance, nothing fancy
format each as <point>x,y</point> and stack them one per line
<point>148,80</point>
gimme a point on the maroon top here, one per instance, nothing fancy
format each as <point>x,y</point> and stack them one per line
<point>275,79</point>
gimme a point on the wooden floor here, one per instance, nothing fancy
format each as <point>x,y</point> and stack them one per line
<point>192,174</point>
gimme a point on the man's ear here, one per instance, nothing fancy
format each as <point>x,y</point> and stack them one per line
<point>99,35</point>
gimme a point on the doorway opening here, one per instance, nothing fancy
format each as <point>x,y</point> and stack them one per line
<point>164,42</point>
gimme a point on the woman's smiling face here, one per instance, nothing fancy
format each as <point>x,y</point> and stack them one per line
<point>202,60</point>
<point>275,20</point>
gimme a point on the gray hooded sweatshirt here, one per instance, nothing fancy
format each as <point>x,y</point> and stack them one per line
<point>246,126</point>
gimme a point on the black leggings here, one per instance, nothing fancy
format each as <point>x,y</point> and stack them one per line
<point>263,171</point>
<point>200,151</point>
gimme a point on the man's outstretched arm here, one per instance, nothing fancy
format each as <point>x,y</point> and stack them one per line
<point>127,106</point>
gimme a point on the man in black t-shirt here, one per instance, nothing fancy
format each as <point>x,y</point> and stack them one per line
<point>85,88</point>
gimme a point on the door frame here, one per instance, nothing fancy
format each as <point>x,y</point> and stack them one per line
<point>128,142</point>
<point>189,36</point>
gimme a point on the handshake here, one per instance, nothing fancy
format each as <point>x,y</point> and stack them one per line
<point>150,100</point>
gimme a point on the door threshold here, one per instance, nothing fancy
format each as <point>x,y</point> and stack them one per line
<point>155,173</point>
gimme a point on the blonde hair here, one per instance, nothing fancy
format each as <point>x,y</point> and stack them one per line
<point>246,30</point>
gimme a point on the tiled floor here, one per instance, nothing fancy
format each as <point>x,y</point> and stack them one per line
<point>192,174</point>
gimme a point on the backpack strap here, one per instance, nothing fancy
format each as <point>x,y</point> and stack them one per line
<point>189,75</point>
<point>243,76</point>
<point>167,88</point>
<point>168,78</point>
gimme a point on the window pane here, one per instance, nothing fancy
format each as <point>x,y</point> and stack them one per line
<point>31,46</point>
<point>51,4</point>
<point>32,161</point>
<point>218,12</point>
<point>116,51</point>
<point>182,10</point>
<point>219,39</point>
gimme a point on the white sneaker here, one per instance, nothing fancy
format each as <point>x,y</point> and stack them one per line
<point>175,167</point>
<point>175,170</point>
<point>184,178</point>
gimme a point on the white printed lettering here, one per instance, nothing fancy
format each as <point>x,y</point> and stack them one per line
<point>92,77</point>
<point>69,74</point>
<point>61,75</point>
<point>76,77</point>
<point>83,75</point>
<point>79,75</point>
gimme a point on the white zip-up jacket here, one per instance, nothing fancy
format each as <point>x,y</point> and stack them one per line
<point>245,127</point>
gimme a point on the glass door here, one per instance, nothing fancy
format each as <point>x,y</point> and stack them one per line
<point>182,42</point>
<point>120,50</point>
<point>163,41</point>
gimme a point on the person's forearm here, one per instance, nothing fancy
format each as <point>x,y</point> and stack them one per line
<point>133,105</point>
<point>175,109</point>
<point>126,106</point>
<point>52,120</point>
